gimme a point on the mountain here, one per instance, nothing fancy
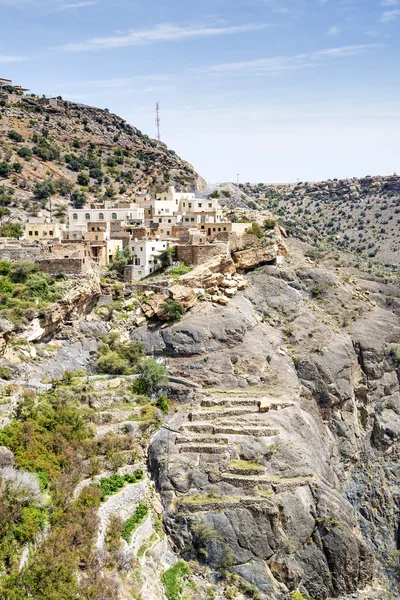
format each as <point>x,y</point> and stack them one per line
<point>53,151</point>
<point>361,216</point>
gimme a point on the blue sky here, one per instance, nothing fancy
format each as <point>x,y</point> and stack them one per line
<point>275,90</point>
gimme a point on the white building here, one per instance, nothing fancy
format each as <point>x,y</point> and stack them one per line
<point>146,257</point>
<point>78,219</point>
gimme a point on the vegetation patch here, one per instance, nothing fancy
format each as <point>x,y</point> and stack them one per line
<point>134,521</point>
<point>112,485</point>
<point>174,579</point>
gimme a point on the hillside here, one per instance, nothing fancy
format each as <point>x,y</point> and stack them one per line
<point>73,153</point>
<point>357,215</point>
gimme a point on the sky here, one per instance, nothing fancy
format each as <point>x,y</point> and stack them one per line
<point>260,90</point>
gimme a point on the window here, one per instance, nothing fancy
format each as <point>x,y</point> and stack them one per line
<point>219,228</point>
<point>168,233</point>
<point>137,262</point>
<point>153,249</point>
<point>210,205</point>
<point>190,205</point>
<point>224,228</point>
<point>184,204</point>
<point>101,217</point>
<point>75,217</point>
<point>141,249</point>
<point>167,211</point>
<point>165,198</point>
<point>36,233</point>
<point>169,221</point>
<point>192,219</point>
<point>30,233</point>
<point>114,216</point>
<point>186,219</point>
<point>87,217</point>
<point>160,220</point>
<point>96,237</point>
<point>199,205</point>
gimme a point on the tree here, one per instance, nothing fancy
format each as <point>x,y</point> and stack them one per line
<point>15,136</point>
<point>151,376</point>
<point>44,190</point>
<point>5,169</point>
<point>78,199</point>
<point>11,230</point>
<point>269,224</point>
<point>83,179</point>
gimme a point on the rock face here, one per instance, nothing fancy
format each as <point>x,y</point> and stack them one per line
<point>288,454</point>
<point>81,297</point>
<point>254,257</point>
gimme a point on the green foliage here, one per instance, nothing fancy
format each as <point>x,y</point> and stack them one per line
<point>44,190</point>
<point>15,136</point>
<point>5,372</point>
<point>173,580</point>
<point>24,287</point>
<point>119,358</point>
<point>83,179</point>
<point>166,257</point>
<point>227,561</point>
<point>45,150</point>
<point>215,194</point>
<point>173,310</point>
<point>25,152</point>
<point>132,523</point>
<point>269,224</point>
<point>5,169</point>
<point>120,261</point>
<point>179,270</point>
<point>12,230</point>
<point>394,353</point>
<point>163,404</point>
<point>43,434</point>
<point>111,485</point>
<point>151,376</point>
<point>78,199</point>
<point>255,229</point>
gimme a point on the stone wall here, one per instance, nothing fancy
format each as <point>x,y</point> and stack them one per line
<point>198,255</point>
<point>20,254</point>
<point>70,266</point>
<point>238,241</point>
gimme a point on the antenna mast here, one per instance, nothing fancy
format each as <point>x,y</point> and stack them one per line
<point>158,122</point>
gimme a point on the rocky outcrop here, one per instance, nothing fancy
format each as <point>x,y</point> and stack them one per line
<point>285,458</point>
<point>79,298</point>
<point>253,257</point>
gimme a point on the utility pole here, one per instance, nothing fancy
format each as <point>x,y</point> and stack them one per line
<point>237,178</point>
<point>158,122</point>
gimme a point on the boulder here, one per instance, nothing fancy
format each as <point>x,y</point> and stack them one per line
<point>184,295</point>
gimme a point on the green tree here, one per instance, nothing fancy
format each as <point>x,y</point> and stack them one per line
<point>172,310</point>
<point>83,179</point>
<point>151,376</point>
<point>78,199</point>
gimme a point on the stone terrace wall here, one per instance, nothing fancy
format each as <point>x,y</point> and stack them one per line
<point>198,255</point>
<point>70,266</point>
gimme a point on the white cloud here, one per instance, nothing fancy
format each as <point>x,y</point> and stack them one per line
<point>390,2</point>
<point>280,64</point>
<point>73,5</point>
<point>12,59</point>
<point>334,30</point>
<point>165,32</point>
<point>389,15</point>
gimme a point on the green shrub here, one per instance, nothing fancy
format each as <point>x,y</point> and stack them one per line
<point>151,376</point>
<point>112,363</point>
<point>15,136</point>
<point>6,373</point>
<point>269,224</point>
<point>394,353</point>
<point>111,485</point>
<point>173,580</point>
<point>83,179</point>
<point>5,169</point>
<point>119,358</point>
<point>255,229</point>
<point>163,404</point>
<point>12,230</point>
<point>44,190</point>
<point>172,310</point>
<point>25,152</point>
<point>134,521</point>
<point>78,199</point>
